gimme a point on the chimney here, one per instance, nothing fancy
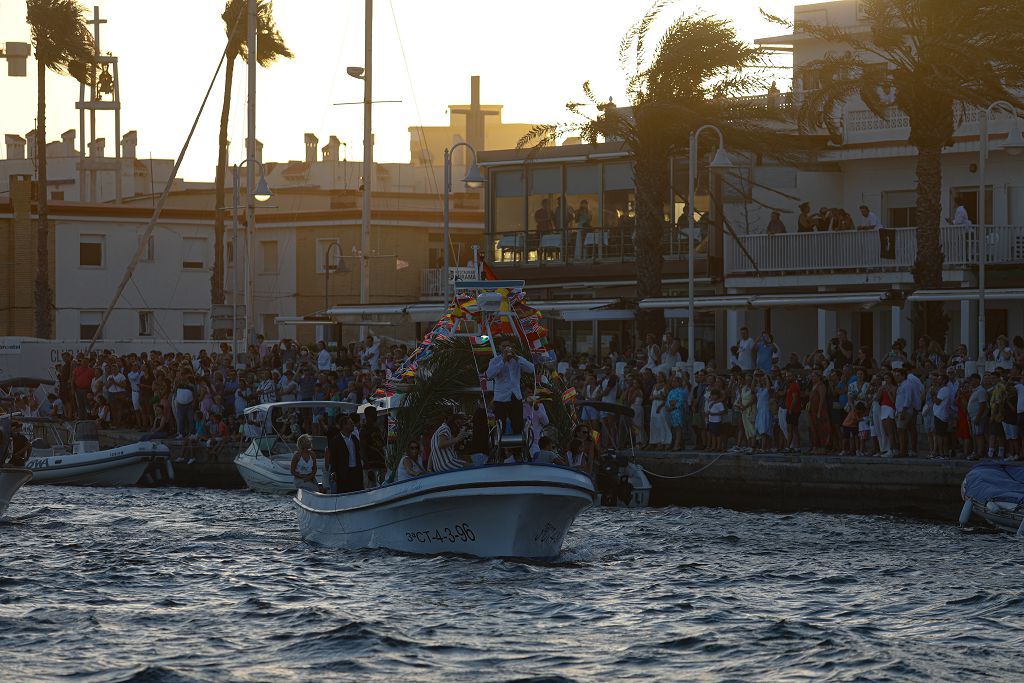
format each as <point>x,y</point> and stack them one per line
<point>15,146</point>
<point>311,143</point>
<point>332,149</point>
<point>96,147</point>
<point>30,138</point>
<point>258,150</point>
<point>68,138</point>
<point>129,141</point>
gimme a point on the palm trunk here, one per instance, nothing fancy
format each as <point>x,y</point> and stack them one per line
<point>650,176</point>
<point>43,295</point>
<point>929,318</point>
<point>220,196</point>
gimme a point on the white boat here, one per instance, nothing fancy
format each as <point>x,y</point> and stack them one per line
<point>515,510</point>
<point>63,455</point>
<point>11,479</point>
<point>265,463</point>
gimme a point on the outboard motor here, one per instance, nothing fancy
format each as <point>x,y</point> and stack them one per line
<point>613,479</point>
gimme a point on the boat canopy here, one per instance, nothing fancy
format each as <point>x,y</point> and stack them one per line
<point>343,406</point>
<point>25,382</point>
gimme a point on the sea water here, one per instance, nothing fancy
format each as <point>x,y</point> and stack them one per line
<point>197,585</point>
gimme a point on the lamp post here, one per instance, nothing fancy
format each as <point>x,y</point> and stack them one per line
<point>261,194</point>
<point>1014,145</point>
<point>474,180</point>
<point>721,161</point>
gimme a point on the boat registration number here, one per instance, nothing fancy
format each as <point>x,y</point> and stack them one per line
<point>460,533</point>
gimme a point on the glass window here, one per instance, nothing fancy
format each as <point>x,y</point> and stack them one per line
<point>509,212</point>
<point>193,326</point>
<point>193,254</point>
<point>145,323</point>
<point>90,251</point>
<point>547,215</point>
<point>148,254</point>
<point>618,208</point>
<point>268,256</point>
<point>583,206</point>
<point>88,323</point>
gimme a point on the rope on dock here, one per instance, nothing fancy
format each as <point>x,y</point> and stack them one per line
<point>683,476</point>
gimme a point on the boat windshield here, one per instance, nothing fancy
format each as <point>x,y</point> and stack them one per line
<point>276,431</point>
<point>86,430</point>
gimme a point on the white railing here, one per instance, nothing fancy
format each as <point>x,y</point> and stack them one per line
<point>809,252</point>
<point>433,279</point>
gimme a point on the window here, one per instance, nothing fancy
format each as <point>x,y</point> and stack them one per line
<point>508,201</point>
<point>193,326</point>
<point>323,246</point>
<point>90,251</point>
<point>269,321</point>
<point>905,217</point>
<point>148,254</point>
<point>268,256</point>
<point>970,197</point>
<point>193,254</point>
<point>57,195</point>
<point>145,323</point>
<point>88,323</point>
<point>619,205</point>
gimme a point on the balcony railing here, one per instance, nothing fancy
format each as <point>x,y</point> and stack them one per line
<point>433,279</point>
<point>809,252</point>
<point>581,246</point>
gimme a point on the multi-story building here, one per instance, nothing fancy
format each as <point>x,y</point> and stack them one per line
<point>801,286</point>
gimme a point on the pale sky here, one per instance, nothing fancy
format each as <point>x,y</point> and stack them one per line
<point>532,56</point>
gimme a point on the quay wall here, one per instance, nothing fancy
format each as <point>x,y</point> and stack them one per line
<point>903,486</point>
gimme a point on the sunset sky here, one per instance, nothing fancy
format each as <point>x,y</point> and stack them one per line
<point>532,56</point>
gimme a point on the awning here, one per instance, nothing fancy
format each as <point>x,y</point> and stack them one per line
<point>1016,294</point>
<point>297,320</point>
<point>604,314</point>
<point>561,307</point>
<point>677,307</point>
<point>377,313</point>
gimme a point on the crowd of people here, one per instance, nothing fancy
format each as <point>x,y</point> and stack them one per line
<point>837,400</point>
<point>841,399</point>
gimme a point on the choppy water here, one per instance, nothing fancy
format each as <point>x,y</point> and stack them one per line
<point>181,585</point>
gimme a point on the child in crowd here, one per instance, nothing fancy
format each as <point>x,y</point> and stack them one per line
<point>716,412</point>
<point>851,429</point>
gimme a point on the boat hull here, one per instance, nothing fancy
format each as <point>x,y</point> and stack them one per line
<point>994,492</point>
<point>265,475</point>
<point>11,479</point>
<point>122,466</point>
<point>518,510</point>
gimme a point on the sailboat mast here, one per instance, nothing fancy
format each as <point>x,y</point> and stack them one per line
<point>364,236</point>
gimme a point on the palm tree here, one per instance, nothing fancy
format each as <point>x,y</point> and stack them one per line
<point>697,65</point>
<point>937,58</point>
<point>269,47</point>
<point>63,44</point>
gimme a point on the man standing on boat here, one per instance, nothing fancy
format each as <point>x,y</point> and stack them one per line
<point>506,370</point>
<point>344,458</point>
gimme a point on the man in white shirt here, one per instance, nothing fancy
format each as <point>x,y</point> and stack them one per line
<point>960,217</point>
<point>370,355</point>
<point>117,386</point>
<point>323,359</point>
<point>869,221</point>
<point>745,351</point>
<point>506,370</point>
<point>906,411</point>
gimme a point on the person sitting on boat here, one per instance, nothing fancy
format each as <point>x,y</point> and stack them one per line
<point>343,455</point>
<point>443,456</point>
<point>304,464</point>
<point>506,369</point>
<point>545,451</point>
<point>409,466</point>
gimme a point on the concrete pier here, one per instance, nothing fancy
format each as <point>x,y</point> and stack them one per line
<point>908,486</point>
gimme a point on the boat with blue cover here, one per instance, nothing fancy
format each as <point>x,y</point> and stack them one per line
<point>994,492</point>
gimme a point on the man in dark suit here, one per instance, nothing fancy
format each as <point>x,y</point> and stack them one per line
<point>344,457</point>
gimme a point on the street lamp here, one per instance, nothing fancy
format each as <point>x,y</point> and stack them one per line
<point>1014,145</point>
<point>720,162</point>
<point>474,180</point>
<point>262,193</point>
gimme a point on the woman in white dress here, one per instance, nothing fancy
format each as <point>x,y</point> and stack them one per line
<point>661,431</point>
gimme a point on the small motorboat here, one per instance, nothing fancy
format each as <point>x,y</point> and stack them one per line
<point>265,463</point>
<point>994,492</point>
<point>619,478</point>
<point>515,510</point>
<point>70,454</point>
<point>11,479</point>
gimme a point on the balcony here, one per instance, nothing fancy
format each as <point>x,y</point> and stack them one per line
<point>856,250</point>
<point>578,246</point>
